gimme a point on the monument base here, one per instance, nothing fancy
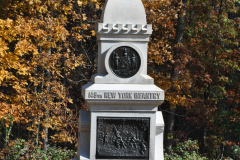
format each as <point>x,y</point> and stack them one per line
<point>111,138</point>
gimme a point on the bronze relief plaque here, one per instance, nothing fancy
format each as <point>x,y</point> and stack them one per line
<point>124,62</point>
<point>122,138</point>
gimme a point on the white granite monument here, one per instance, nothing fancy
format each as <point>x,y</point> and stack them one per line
<point>122,121</point>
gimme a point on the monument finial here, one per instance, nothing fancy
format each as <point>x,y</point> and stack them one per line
<point>124,12</point>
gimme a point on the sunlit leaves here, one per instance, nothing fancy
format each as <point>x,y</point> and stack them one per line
<point>36,40</point>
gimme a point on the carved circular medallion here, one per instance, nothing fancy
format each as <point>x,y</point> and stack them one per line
<point>124,62</point>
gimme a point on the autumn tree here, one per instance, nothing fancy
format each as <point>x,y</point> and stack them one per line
<point>43,44</point>
<point>214,59</point>
<point>193,55</point>
<point>165,48</point>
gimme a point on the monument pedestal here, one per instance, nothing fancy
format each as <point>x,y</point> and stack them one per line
<point>122,121</point>
<point>88,139</point>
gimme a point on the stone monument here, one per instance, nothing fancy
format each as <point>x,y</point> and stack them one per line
<point>122,121</point>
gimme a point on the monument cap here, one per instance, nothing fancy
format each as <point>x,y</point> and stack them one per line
<point>124,12</point>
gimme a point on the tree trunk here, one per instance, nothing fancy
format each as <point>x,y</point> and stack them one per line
<point>35,90</point>
<point>170,119</point>
<point>169,125</point>
<point>38,119</point>
<point>202,139</point>
<point>64,89</point>
<point>45,140</point>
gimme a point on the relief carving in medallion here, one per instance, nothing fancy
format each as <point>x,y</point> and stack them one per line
<point>120,138</point>
<point>124,62</point>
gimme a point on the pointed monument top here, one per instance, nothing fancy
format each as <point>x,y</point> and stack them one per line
<point>124,12</point>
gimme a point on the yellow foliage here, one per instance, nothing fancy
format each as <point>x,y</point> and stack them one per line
<point>31,48</point>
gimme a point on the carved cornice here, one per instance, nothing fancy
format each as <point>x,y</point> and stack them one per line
<point>109,28</point>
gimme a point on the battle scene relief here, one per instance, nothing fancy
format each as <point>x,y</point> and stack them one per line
<point>120,138</point>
